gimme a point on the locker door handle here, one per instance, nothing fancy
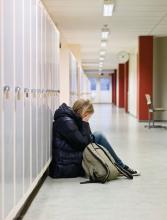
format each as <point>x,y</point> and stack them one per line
<point>18,92</point>
<point>33,91</point>
<point>26,92</point>
<point>44,93</point>
<point>57,91</point>
<point>6,91</point>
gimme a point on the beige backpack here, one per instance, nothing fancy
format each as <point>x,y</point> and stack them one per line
<point>99,165</point>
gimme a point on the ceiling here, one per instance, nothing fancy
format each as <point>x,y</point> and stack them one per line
<point>81,21</point>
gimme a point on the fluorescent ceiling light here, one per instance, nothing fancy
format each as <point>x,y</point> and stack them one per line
<point>90,64</point>
<point>102,53</point>
<point>103,43</point>
<point>105,32</point>
<point>108,8</point>
<point>101,58</point>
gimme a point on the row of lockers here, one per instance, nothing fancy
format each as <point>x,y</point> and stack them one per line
<point>79,82</point>
<point>29,95</point>
<point>73,79</point>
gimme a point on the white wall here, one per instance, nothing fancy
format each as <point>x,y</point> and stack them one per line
<point>132,94</point>
<point>29,65</point>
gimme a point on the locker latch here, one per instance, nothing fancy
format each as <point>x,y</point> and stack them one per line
<point>26,91</point>
<point>33,91</point>
<point>6,91</point>
<point>18,93</point>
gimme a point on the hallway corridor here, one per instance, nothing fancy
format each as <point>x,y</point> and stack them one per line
<point>143,198</point>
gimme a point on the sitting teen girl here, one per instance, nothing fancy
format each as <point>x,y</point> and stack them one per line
<point>71,134</point>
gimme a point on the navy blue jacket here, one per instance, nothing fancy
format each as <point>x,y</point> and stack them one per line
<point>70,137</point>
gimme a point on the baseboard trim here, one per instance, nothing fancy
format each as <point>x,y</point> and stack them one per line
<point>146,121</point>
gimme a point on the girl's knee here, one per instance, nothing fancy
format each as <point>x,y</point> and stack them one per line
<point>98,134</point>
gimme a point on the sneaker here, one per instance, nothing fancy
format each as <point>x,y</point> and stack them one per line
<point>133,172</point>
<point>124,172</point>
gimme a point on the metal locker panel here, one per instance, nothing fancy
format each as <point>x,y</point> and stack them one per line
<point>19,104</point>
<point>8,107</point>
<point>1,152</point>
<point>54,67</point>
<point>42,87</point>
<point>1,191</point>
<point>48,87</point>
<point>1,104</point>
<point>26,95</point>
<point>39,26</point>
<point>57,68</point>
<point>45,96</point>
<point>33,88</point>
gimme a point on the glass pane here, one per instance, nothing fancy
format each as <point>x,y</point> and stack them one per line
<point>92,84</point>
<point>105,84</point>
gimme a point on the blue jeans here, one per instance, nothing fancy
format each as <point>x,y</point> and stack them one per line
<point>101,139</point>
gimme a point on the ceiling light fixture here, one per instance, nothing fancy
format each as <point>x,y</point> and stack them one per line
<point>105,32</point>
<point>102,53</point>
<point>103,43</point>
<point>108,8</point>
<point>101,58</point>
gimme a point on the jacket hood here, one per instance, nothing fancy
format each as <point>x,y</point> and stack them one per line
<point>65,110</point>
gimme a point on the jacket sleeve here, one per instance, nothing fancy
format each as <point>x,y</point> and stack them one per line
<point>78,139</point>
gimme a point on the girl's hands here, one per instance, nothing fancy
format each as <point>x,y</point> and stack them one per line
<point>86,118</point>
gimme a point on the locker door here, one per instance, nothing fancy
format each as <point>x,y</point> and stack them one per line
<point>42,88</point>
<point>1,145</point>
<point>1,104</point>
<point>33,87</point>
<point>19,103</point>
<point>48,87</point>
<point>8,105</point>
<point>27,94</point>
<point>39,86</point>
<point>55,87</point>
<point>45,97</point>
<point>57,68</point>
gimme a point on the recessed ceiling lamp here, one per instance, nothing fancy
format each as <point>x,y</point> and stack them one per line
<point>101,58</point>
<point>105,32</point>
<point>103,43</point>
<point>108,8</point>
<point>102,52</point>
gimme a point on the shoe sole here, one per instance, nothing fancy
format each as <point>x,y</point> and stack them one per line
<point>136,174</point>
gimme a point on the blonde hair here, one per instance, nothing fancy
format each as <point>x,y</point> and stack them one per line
<point>83,106</point>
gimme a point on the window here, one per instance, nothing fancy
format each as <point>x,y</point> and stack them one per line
<point>105,84</point>
<point>92,84</point>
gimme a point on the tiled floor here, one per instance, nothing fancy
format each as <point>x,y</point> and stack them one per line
<point>143,198</point>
